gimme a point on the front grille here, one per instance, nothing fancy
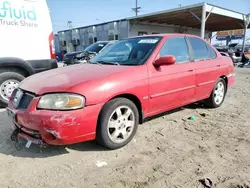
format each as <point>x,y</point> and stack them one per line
<point>25,100</point>
<point>30,132</point>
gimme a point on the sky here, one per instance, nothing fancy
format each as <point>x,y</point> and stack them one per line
<point>88,12</point>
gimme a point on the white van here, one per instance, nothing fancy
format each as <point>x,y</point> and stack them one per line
<point>26,43</point>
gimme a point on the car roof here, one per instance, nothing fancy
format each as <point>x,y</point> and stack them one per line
<point>166,35</point>
<point>101,42</point>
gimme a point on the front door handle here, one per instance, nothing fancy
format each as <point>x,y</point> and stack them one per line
<point>190,70</point>
<point>218,65</point>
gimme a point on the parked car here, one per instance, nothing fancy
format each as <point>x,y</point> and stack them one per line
<point>27,43</point>
<point>70,56</point>
<point>221,47</point>
<point>88,53</point>
<point>230,51</point>
<point>106,100</point>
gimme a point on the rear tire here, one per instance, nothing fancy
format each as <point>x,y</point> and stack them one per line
<point>117,123</point>
<point>218,94</point>
<point>8,82</point>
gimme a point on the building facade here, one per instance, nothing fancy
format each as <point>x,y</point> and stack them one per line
<point>79,38</point>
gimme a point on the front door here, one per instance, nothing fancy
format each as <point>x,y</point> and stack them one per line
<point>172,86</point>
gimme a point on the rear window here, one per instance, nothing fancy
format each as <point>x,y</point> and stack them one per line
<point>200,50</point>
<point>211,52</point>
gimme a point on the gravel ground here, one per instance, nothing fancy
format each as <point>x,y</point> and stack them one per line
<point>168,151</point>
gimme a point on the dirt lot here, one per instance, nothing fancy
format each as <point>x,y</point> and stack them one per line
<point>168,151</point>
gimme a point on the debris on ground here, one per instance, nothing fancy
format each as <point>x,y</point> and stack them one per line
<point>192,118</point>
<point>101,163</point>
<point>206,182</point>
<point>203,114</point>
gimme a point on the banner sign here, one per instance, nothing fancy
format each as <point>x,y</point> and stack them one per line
<point>231,34</point>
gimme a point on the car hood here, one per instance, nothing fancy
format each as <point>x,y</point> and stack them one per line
<point>61,79</point>
<point>72,53</point>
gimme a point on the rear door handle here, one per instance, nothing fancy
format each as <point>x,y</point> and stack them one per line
<point>218,65</point>
<point>190,70</point>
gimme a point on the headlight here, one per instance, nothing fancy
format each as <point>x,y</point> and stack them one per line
<point>61,101</point>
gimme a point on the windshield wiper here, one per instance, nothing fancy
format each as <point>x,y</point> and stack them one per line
<point>108,63</point>
<point>89,62</point>
<point>94,63</point>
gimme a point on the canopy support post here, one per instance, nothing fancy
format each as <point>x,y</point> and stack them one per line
<point>203,20</point>
<point>209,13</point>
<point>194,15</point>
<point>242,25</point>
<point>246,23</point>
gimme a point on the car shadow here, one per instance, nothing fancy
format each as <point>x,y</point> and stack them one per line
<point>35,151</point>
<point>163,114</point>
<point>197,105</point>
<point>8,147</point>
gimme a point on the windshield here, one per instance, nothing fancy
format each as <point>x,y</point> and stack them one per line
<point>134,51</point>
<point>96,47</point>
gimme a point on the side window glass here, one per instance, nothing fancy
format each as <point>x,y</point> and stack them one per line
<point>177,47</point>
<point>211,52</point>
<point>199,49</point>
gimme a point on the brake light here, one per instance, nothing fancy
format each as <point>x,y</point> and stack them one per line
<point>52,46</point>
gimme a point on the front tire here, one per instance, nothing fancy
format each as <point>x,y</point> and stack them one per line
<point>8,82</point>
<point>218,94</point>
<point>117,123</point>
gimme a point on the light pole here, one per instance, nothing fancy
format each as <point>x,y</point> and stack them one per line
<point>136,9</point>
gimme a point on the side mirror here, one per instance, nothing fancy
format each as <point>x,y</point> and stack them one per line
<point>165,60</point>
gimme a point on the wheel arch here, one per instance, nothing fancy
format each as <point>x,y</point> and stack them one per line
<point>225,79</point>
<point>16,65</point>
<point>132,98</point>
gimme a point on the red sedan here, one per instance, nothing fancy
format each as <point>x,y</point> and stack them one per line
<point>107,98</point>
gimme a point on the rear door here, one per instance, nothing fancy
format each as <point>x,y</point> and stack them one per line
<point>172,85</point>
<point>206,66</point>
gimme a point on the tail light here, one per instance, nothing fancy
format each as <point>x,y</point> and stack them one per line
<point>52,46</point>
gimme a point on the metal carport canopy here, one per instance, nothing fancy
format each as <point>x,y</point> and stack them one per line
<point>201,16</point>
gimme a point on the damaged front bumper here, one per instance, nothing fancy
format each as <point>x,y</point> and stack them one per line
<point>31,138</point>
<point>44,127</point>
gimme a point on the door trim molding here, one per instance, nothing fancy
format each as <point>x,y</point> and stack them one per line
<point>170,92</point>
<point>206,83</point>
